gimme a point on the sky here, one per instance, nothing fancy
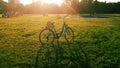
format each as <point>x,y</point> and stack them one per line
<point>29,1</point>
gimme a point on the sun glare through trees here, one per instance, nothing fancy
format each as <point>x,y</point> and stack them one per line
<point>58,2</point>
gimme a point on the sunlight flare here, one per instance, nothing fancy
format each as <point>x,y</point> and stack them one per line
<point>58,2</point>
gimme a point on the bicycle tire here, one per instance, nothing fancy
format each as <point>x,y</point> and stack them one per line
<point>69,35</point>
<point>49,39</point>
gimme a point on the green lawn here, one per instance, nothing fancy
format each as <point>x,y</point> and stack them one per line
<point>99,38</point>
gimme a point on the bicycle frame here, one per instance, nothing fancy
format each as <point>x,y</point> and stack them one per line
<point>50,26</point>
<point>58,35</point>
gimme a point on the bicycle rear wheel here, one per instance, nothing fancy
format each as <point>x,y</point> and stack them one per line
<point>46,36</point>
<point>69,35</point>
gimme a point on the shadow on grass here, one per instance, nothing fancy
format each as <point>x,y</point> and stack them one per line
<point>58,55</point>
<point>61,55</point>
<point>99,16</point>
<point>69,55</point>
<point>88,16</point>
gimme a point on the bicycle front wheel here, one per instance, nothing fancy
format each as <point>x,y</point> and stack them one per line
<point>69,35</point>
<point>46,36</point>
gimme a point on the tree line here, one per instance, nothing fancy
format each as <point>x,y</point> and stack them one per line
<point>68,6</point>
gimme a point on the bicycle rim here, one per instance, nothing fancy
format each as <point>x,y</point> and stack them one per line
<point>46,36</point>
<point>69,35</point>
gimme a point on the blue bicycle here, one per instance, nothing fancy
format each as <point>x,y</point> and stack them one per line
<point>49,34</point>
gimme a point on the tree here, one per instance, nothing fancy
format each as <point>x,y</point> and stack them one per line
<point>75,5</point>
<point>84,6</point>
<point>71,6</point>
<point>11,9</point>
<point>94,7</point>
<point>3,6</point>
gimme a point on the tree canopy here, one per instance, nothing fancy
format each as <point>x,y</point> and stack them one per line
<point>3,6</point>
<point>68,6</point>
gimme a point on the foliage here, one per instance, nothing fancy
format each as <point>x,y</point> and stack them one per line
<point>42,8</point>
<point>93,7</point>
<point>74,7</point>
<point>68,6</point>
<point>3,6</point>
<point>97,38</point>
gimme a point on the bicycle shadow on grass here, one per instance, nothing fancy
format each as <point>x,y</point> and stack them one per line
<point>58,55</point>
<point>61,55</point>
